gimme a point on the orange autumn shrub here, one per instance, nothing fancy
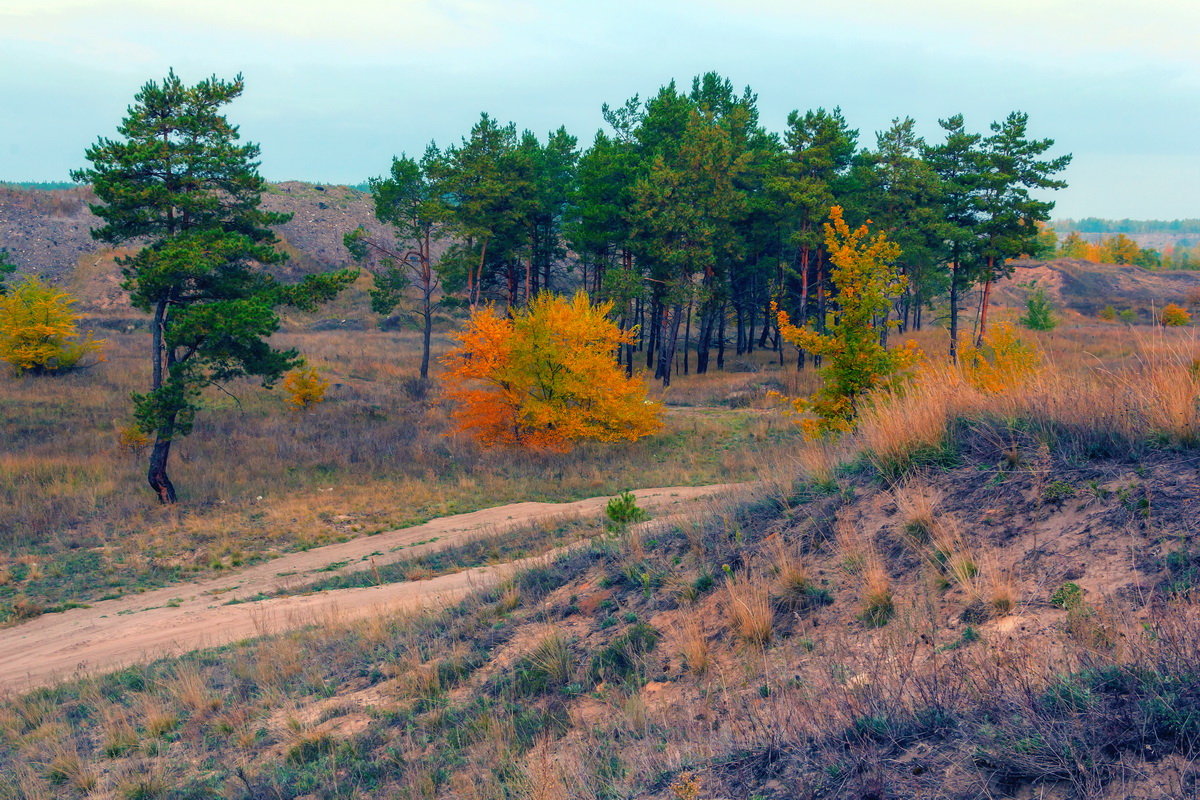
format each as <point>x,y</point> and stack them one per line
<point>305,387</point>
<point>1174,316</point>
<point>546,378</point>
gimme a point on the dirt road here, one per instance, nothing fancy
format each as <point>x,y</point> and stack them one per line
<point>175,619</point>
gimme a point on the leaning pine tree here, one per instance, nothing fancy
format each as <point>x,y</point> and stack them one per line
<point>178,183</point>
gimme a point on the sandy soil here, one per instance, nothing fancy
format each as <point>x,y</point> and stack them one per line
<point>175,619</point>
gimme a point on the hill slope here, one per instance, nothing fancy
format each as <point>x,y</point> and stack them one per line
<point>48,231</point>
<point>940,638</point>
<point>1088,287</point>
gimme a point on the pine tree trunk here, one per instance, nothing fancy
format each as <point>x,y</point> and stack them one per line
<point>668,337</point>
<point>804,253</point>
<point>742,329</point>
<point>954,312</point>
<point>156,476</point>
<point>766,331</point>
<point>426,336</point>
<point>704,339</point>
<point>984,301</point>
<point>750,309</point>
<point>687,339</point>
<point>721,339</point>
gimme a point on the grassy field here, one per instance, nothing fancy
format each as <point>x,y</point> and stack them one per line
<point>257,478</point>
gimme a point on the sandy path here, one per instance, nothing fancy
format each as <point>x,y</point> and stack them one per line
<point>182,617</point>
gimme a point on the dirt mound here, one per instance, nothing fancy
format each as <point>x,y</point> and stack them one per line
<point>1087,287</point>
<point>1008,622</point>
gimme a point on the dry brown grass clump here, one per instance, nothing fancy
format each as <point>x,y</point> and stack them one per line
<point>918,504</point>
<point>878,602</point>
<point>751,615</point>
<point>694,645</point>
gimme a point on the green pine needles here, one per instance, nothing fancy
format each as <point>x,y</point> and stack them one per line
<point>178,182</point>
<point>1039,312</point>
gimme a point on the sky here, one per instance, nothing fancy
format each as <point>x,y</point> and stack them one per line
<point>335,89</point>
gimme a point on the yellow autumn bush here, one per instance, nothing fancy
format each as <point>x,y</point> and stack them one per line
<point>39,329</point>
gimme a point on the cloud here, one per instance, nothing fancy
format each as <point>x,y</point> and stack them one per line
<point>353,25</point>
<point>1105,34</point>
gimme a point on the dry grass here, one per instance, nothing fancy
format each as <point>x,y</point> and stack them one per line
<point>1003,592</point>
<point>1107,401</point>
<point>67,767</point>
<point>694,646</point>
<point>1080,705</point>
<point>748,606</point>
<point>878,602</point>
<point>189,689</point>
<point>257,478</point>
<point>832,699</point>
<point>917,503</point>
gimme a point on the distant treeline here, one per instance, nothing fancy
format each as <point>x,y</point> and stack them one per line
<point>43,185</point>
<point>1097,225</point>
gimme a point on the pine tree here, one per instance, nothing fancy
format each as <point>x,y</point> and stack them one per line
<point>178,183</point>
<point>903,200</point>
<point>412,202</point>
<point>957,162</point>
<point>818,149</point>
<point>1007,213</point>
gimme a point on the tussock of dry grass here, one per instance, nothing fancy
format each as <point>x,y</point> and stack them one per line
<point>751,614</point>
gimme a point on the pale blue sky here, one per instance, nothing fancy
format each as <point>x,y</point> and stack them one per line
<point>334,89</point>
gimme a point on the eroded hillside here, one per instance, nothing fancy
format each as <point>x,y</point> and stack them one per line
<point>48,231</point>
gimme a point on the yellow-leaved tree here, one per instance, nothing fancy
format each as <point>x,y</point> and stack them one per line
<point>39,329</point>
<point>305,387</point>
<point>857,362</point>
<point>546,377</point>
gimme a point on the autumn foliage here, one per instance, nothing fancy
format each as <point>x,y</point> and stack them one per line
<point>546,377</point>
<point>305,387</point>
<point>39,329</point>
<point>1174,316</point>
<point>1002,361</point>
<point>857,362</point>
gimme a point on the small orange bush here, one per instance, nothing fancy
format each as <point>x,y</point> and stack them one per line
<point>1002,362</point>
<point>39,329</point>
<point>305,387</point>
<point>546,378</point>
<point>1174,316</point>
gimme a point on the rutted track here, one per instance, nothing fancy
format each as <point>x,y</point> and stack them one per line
<point>183,617</point>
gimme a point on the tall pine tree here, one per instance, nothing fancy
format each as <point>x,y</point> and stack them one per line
<point>178,183</point>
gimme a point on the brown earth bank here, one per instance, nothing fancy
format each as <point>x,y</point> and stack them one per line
<point>48,231</point>
<point>1010,620</point>
<point>1087,287</point>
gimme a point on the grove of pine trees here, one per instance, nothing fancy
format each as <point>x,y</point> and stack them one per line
<point>693,219</point>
